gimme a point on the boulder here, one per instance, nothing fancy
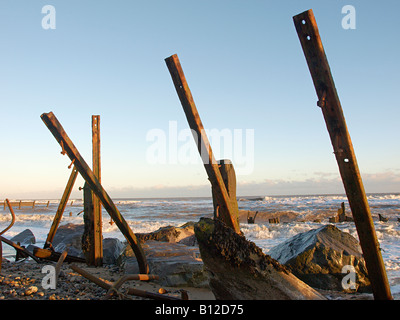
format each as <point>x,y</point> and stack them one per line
<point>70,235</point>
<point>318,256</point>
<point>24,238</point>
<point>170,234</point>
<point>239,270</point>
<point>112,249</point>
<point>176,264</point>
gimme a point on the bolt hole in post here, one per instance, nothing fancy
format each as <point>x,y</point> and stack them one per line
<point>346,160</point>
<point>303,21</point>
<point>308,38</point>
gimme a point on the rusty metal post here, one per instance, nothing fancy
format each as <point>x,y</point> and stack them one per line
<point>97,219</point>
<point>61,207</point>
<point>228,175</point>
<point>88,241</point>
<point>202,142</point>
<point>68,147</point>
<point>310,40</point>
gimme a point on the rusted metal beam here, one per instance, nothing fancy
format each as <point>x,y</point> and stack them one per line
<point>61,207</point>
<point>229,177</point>
<point>182,88</point>
<point>311,43</point>
<point>21,250</point>
<point>12,217</point>
<point>68,147</point>
<point>51,255</point>
<point>132,291</point>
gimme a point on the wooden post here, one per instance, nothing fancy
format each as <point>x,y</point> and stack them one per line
<point>310,40</point>
<point>227,212</point>
<point>229,177</point>
<point>68,147</point>
<point>61,207</point>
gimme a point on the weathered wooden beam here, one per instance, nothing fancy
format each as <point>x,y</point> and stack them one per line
<point>68,147</point>
<point>202,142</point>
<point>97,219</point>
<point>313,49</point>
<point>61,207</point>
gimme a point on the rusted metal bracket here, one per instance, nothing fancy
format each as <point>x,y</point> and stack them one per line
<point>311,43</point>
<point>226,211</point>
<point>7,228</point>
<point>61,136</point>
<point>12,217</point>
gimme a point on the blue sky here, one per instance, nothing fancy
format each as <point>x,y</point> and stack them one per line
<point>246,70</point>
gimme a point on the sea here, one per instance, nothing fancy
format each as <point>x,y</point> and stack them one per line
<point>146,215</point>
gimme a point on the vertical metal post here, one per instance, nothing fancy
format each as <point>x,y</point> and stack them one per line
<point>97,219</point>
<point>202,142</point>
<point>310,40</point>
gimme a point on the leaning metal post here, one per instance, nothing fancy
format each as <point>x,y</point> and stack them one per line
<point>311,43</point>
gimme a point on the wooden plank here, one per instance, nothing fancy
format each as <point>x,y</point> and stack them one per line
<point>202,141</point>
<point>68,147</point>
<point>97,219</point>
<point>313,49</point>
<point>61,207</point>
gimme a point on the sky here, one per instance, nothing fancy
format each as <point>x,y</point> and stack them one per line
<point>248,76</point>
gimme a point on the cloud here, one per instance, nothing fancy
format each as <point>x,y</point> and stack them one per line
<point>320,183</point>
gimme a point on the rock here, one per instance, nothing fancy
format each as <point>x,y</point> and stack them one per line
<point>112,249</point>
<point>69,235</point>
<point>239,270</point>
<point>31,290</point>
<point>169,233</point>
<point>24,238</point>
<point>318,256</point>
<point>176,264</point>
